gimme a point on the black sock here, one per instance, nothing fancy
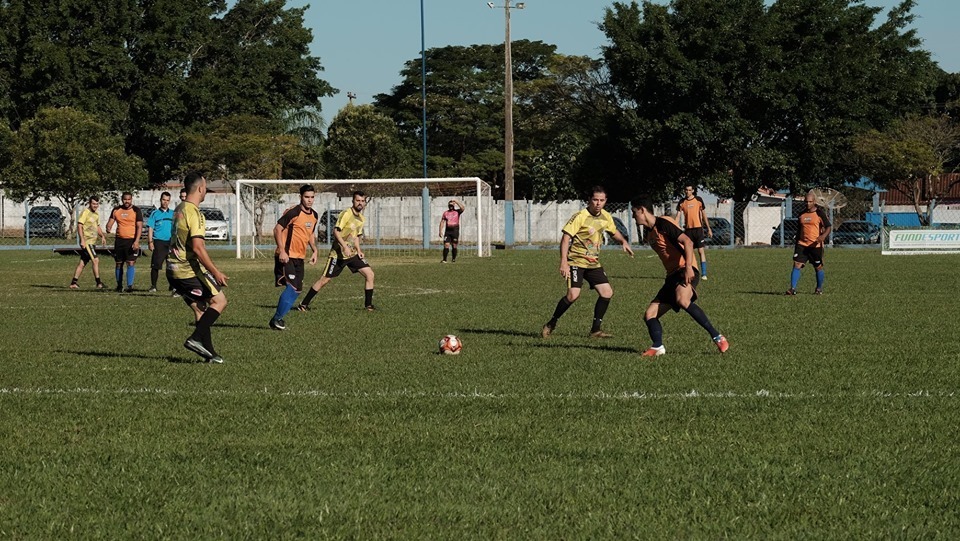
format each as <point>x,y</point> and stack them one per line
<point>97,278</point>
<point>368,297</point>
<point>700,317</point>
<point>454,253</point>
<point>309,297</point>
<point>599,310</point>
<point>154,274</point>
<point>656,331</point>
<point>74,280</point>
<point>445,252</point>
<point>202,331</point>
<point>559,311</point>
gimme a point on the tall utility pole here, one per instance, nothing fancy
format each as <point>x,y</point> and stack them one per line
<point>508,125</point>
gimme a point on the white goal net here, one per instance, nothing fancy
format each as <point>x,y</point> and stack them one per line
<point>402,215</point>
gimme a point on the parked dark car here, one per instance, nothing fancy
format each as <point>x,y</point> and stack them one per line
<point>621,228</point>
<point>857,232</point>
<point>721,232</point>
<point>789,232</point>
<point>45,221</point>
<point>327,217</point>
<point>146,211</point>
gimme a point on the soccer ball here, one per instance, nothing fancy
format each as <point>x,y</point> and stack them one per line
<point>450,345</point>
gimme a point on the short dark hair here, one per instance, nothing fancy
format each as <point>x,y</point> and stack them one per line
<point>183,190</point>
<point>595,190</point>
<point>93,198</point>
<point>164,194</point>
<point>691,185</point>
<point>642,201</point>
<point>124,194</point>
<point>306,188</point>
<point>361,194</point>
<point>191,180</point>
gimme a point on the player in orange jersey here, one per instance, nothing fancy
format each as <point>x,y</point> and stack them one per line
<point>679,290</point>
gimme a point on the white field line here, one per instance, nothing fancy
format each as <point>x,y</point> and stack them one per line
<point>762,394</point>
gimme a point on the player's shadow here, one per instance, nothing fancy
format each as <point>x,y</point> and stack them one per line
<point>502,332</point>
<point>595,346</point>
<point>771,293</point>
<point>109,354</point>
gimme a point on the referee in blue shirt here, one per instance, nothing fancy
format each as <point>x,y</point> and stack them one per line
<point>159,229</point>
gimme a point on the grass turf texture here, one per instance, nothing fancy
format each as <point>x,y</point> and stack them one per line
<point>831,416</point>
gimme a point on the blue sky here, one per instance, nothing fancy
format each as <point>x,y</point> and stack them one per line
<point>363,44</point>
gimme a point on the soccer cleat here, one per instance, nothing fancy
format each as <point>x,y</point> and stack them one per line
<point>303,307</point>
<point>443,260</point>
<point>600,334</point>
<point>174,295</point>
<point>722,343</point>
<point>278,324</point>
<point>704,277</point>
<point>100,285</point>
<point>818,291</point>
<point>791,292</point>
<point>198,348</point>
<point>547,330</point>
<point>216,359</point>
<point>654,351</point>
<point>128,290</point>
<point>370,308</point>
<point>74,286</point>
<point>119,289</point>
<point>152,290</point>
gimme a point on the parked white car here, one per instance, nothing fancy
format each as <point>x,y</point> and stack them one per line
<point>217,226</point>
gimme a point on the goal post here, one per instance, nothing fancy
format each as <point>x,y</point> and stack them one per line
<point>402,216</point>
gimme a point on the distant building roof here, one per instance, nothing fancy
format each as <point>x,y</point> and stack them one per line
<point>948,183</point>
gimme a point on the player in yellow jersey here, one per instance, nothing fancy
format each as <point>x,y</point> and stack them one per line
<point>191,270</point>
<point>348,231</point>
<point>580,260</point>
<point>88,230</point>
<point>679,290</point>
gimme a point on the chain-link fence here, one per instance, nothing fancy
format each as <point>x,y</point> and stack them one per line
<point>48,224</point>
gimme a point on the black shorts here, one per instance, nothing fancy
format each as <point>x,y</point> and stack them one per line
<point>335,265</point>
<point>668,293</point>
<point>292,274</point>
<point>696,235</point>
<point>123,251</point>
<point>197,289</point>
<point>159,256</point>
<point>812,253</point>
<point>594,277</point>
<point>88,253</point>
<point>451,234</point>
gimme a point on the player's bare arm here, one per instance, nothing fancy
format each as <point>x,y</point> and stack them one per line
<point>706,222</point>
<point>443,225</point>
<point>136,236</point>
<point>564,253</point>
<point>280,236</point>
<point>199,247</point>
<point>313,247</point>
<point>623,243</point>
<point>688,273</point>
<point>356,245</point>
<point>110,223</point>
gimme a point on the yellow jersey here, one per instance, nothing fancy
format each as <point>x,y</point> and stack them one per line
<point>90,221</point>
<point>586,230</point>
<point>350,225</point>
<point>188,223</point>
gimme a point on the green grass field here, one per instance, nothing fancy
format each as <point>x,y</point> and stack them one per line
<point>831,417</point>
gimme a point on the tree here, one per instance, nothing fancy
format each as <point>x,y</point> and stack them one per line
<point>734,93</point>
<point>910,157</point>
<point>245,146</point>
<point>362,143</point>
<point>68,155</point>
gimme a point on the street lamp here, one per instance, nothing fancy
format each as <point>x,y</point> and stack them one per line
<point>507,124</point>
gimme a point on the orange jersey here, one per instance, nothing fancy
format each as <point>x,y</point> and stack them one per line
<point>127,221</point>
<point>691,209</point>
<point>664,238</point>
<point>299,225</point>
<point>812,223</point>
